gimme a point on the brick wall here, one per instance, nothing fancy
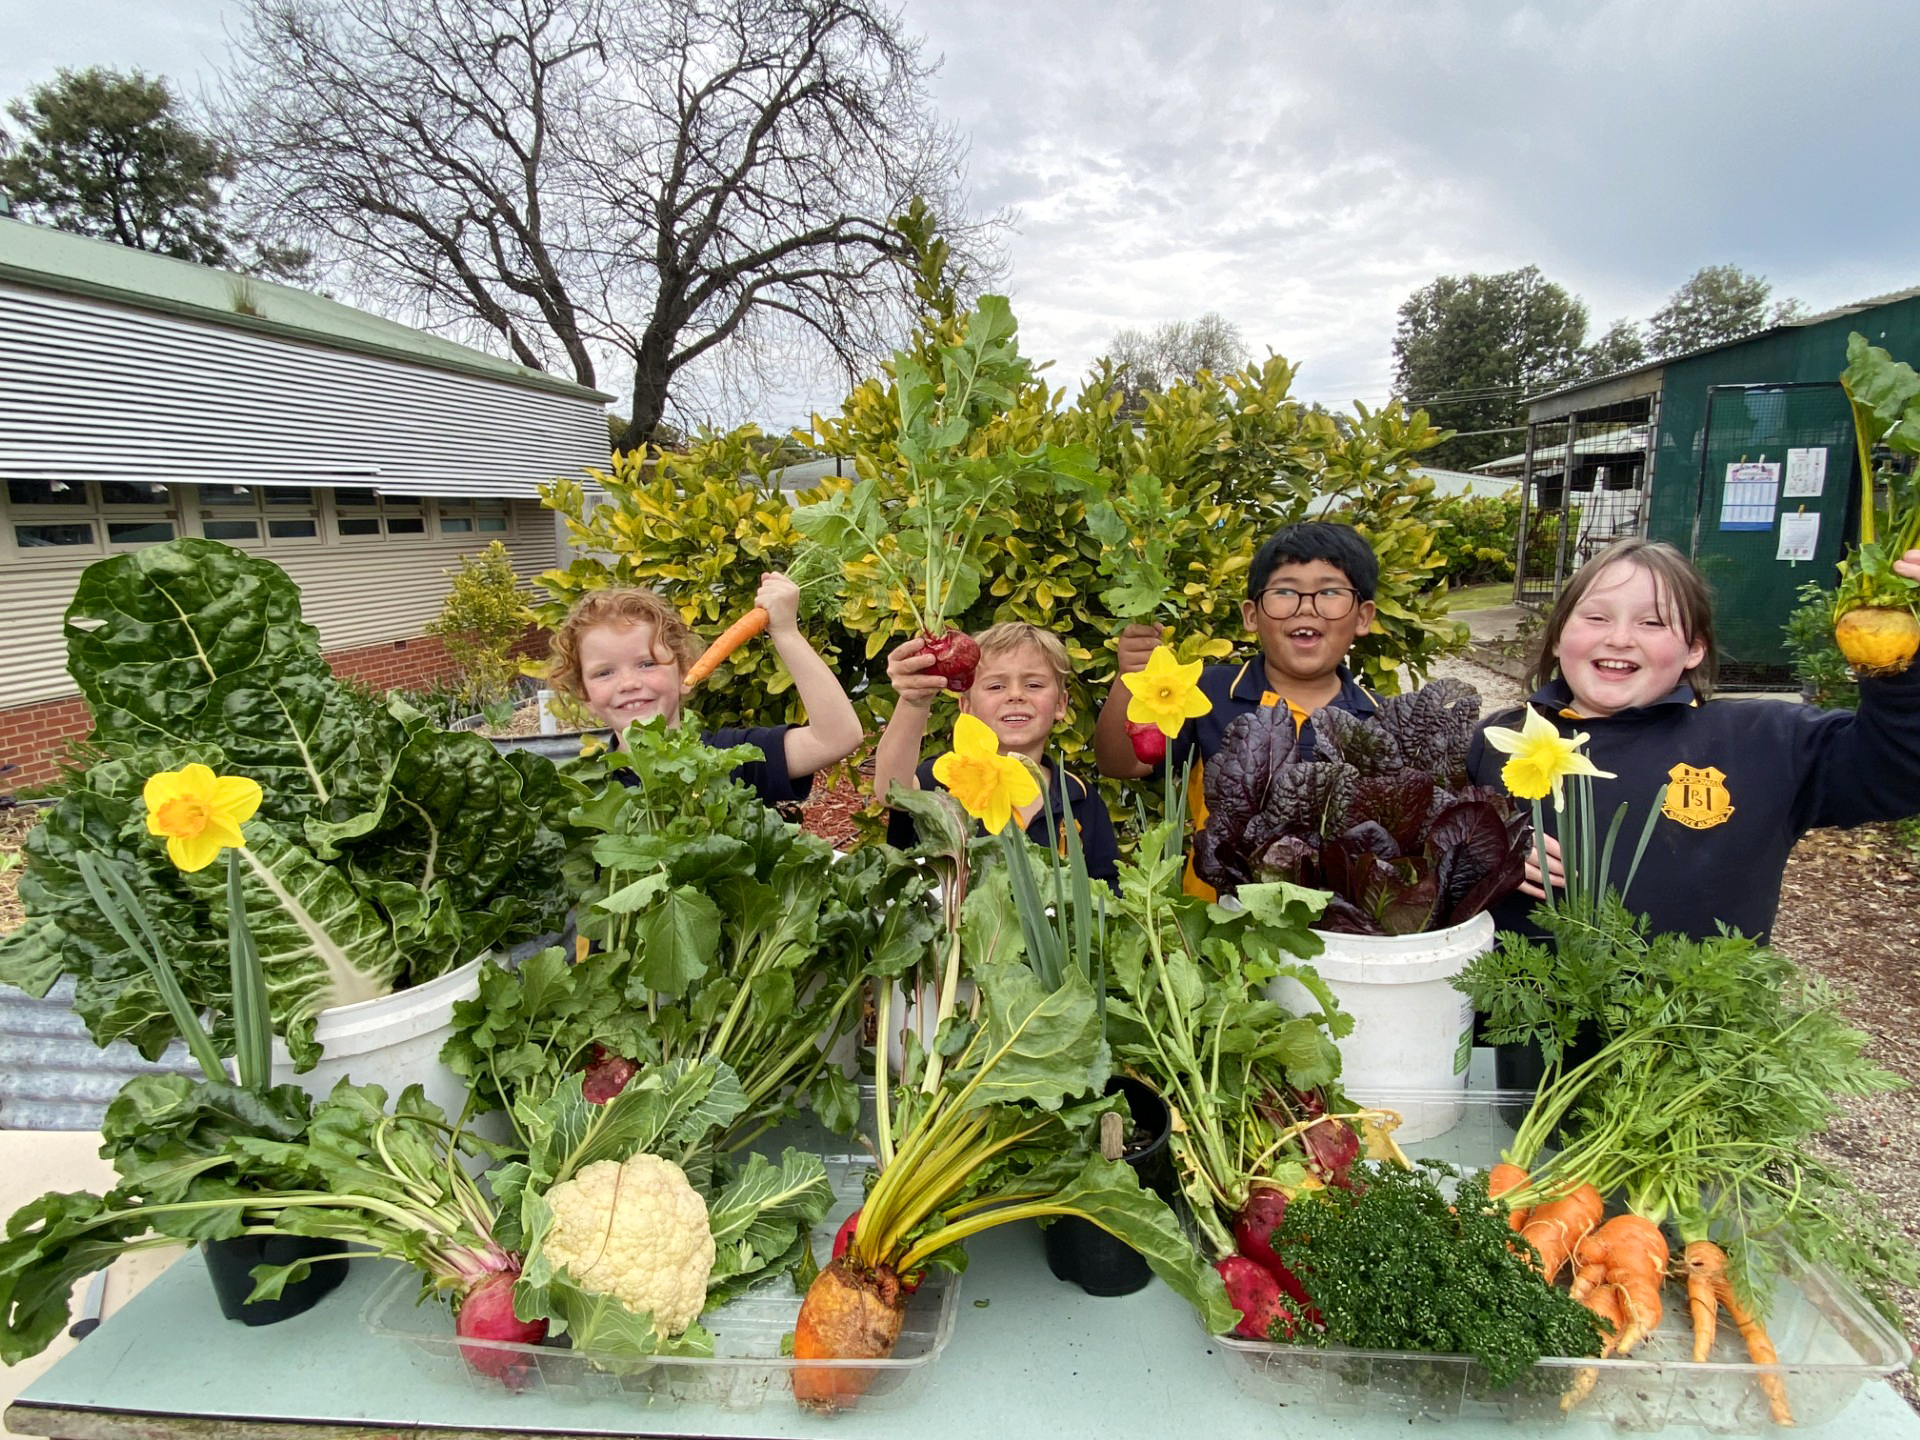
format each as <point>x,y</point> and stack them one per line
<point>33,738</point>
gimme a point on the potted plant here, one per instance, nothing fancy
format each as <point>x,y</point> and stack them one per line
<point>387,855</point>
<point>1384,818</point>
<point>201,814</point>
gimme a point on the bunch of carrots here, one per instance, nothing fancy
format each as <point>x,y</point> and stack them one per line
<point>1619,1266</point>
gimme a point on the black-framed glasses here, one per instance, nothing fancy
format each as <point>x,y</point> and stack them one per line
<point>1336,602</point>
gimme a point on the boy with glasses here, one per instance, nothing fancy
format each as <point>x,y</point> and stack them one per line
<point>1309,596</point>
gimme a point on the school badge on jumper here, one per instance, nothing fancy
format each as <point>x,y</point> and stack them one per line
<point>1697,797</point>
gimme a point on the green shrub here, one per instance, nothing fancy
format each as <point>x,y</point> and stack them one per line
<point>1480,537</point>
<point>483,617</point>
<point>1818,665</point>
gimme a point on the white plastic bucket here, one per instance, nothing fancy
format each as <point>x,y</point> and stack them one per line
<point>918,1013</point>
<point>1412,1031</point>
<point>393,1041</point>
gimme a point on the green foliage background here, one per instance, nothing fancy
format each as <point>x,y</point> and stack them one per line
<point>1232,457</point>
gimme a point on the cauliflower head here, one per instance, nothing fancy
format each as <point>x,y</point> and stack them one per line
<point>635,1230</point>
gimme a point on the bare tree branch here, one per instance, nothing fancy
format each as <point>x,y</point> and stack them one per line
<point>673,182</point>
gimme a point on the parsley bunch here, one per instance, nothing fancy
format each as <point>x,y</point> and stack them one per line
<point>1392,1264</point>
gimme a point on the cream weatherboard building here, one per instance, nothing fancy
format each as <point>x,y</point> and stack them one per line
<point>143,398</point>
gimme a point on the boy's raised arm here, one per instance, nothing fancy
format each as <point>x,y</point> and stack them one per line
<point>832,731</point>
<point>897,757</point>
<point>1112,750</point>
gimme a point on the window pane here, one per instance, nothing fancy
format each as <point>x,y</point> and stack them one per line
<point>226,495</point>
<point>456,507</point>
<point>46,492</point>
<point>287,494</point>
<point>231,529</point>
<point>293,529</point>
<point>348,496</point>
<point>132,492</point>
<point>456,525</point>
<point>369,526</point>
<point>399,525</point>
<point>138,532</point>
<point>33,537</point>
<point>494,523</point>
<point>404,504</point>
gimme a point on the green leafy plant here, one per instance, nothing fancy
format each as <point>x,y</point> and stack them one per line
<point>721,933</point>
<point>1876,612</point>
<point>483,617</point>
<point>386,851</point>
<point>1825,678</point>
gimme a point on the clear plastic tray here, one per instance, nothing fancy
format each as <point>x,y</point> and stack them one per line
<point>1828,1338</point>
<point>745,1368</point>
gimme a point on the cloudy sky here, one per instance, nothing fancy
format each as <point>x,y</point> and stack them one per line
<point>1302,167</point>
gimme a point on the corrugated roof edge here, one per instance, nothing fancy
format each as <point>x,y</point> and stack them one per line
<point>38,256</point>
<point>1799,322</point>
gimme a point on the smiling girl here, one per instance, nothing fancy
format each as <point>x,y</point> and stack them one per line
<point>1628,658</point>
<point>623,653</point>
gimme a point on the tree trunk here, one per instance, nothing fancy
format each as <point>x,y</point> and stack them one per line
<point>651,374</point>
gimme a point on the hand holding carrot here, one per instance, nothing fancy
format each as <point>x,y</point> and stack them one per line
<point>780,598</point>
<point>907,666</point>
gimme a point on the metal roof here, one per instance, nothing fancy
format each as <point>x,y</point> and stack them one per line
<point>1797,323</point>
<point>38,255</point>
<point>52,1075</point>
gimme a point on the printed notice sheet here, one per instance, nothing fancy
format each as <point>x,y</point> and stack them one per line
<point>1806,473</point>
<point>1753,487</point>
<point>1799,534</point>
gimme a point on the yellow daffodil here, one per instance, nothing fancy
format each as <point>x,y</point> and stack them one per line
<point>1166,693</point>
<point>1543,758</point>
<point>988,784</point>
<point>199,812</point>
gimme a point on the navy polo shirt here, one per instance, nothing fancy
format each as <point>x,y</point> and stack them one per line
<point>1097,840</point>
<point>766,777</point>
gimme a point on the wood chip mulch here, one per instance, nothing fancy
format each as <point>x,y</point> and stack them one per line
<point>1848,909</point>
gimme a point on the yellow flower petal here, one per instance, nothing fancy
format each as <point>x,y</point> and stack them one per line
<point>1542,758</point>
<point>988,785</point>
<point>199,812</point>
<point>1166,693</point>
<point>194,852</point>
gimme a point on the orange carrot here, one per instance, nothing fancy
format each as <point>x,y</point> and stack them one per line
<point>1627,1254</point>
<point>1604,1301</point>
<point>1504,1179</point>
<point>731,639</point>
<point>1560,1224</point>
<point>847,1315</point>
<point>1707,1269</point>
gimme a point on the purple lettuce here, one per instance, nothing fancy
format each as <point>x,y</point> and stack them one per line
<point>1382,814</point>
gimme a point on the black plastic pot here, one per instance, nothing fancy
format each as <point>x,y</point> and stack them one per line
<point>1080,1251</point>
<point>230,1265</point>
<point>1523,1067</point>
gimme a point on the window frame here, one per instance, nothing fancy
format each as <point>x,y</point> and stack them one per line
<point>93,511</point>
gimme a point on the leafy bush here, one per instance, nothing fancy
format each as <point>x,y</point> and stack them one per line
<point>1818,665</point>
<point>482,619</point>
<point>1233,457</point>
<point>1481,535</point>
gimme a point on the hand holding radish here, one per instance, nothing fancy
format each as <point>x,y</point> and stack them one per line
<point>908,667</point>
<point>1136,646</point>
<point>1532,885</point>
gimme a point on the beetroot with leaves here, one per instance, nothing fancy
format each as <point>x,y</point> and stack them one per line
<point>1264,1314</point>
<point>956,656</point>
<point>486,1313</point>
<point>606,1075</point>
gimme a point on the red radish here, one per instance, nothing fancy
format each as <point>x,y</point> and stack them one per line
<point>955,658</point>
<point>606,1076</point>
<point>1149,742</point>
<point>1253,1234</point>
<point>1256,1295</point>
<point>487,1314</point>
<point>843,1237</point>
<point>1332,1147</point>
